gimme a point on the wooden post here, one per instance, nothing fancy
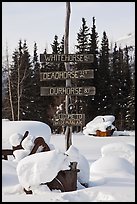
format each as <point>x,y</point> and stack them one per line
<point>68,132</point>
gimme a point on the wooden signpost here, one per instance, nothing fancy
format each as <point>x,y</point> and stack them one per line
<point>63,75</point>
<point>88,58</point>
<point>69,119</point>
<point>75,91</point>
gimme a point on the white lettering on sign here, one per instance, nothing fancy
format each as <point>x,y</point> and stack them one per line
<point>69,119</point>
<point>54,91</point>
<point>78,74</point>
<point>66,58</point>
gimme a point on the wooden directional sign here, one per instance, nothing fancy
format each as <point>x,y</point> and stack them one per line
<point>69,119</point>
<point>77,91</point>
<point>78,74</point>
<point>66,58</point>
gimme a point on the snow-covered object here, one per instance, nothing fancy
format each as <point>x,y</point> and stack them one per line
<point>123,150</point>
<point>15,139</point>
<point>28,142</point>
<point>27,145</point>
<point>75,156</point>
<point>20,154</point>
<point>113,164</point>
<point>35,128</point>
<point>39,168</point>
<point>43,167</point>
<point>100,119</point>
<point>109,187</point>
<point>99,123</point>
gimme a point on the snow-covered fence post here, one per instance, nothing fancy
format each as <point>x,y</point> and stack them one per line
<point>68,132</point>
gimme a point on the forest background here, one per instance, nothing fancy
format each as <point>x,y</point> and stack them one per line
<point>114,80</point>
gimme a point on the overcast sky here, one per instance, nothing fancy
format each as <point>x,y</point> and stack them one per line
<point>40,21</point>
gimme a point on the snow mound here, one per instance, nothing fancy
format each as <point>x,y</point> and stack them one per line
<point>123,150</point>
<point>83,164</point>
<point>111,164</point>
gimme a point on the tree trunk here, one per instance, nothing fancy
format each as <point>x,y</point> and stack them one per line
<point>18,93</point>
<point>68,132</point>
<point>9,82</point>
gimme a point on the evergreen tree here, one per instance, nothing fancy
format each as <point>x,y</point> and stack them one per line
<point>61,49</point>
<point>81,48</point>
<point>125,88</point>
<point>114,76</point>
<point>92,101</point>
<point>20,79</point>
<point>130,113</point>
<point>129,84</point>
<point>104,92</point>
<point>57,49</point>
<point>116,86</point>
<point>14,83</point>
<point>120,86</point>
<point>37,108</point>
<point>26,75</point>
<point>55,45</point>
<point>82,38</point>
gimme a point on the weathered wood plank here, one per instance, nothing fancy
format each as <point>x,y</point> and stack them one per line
<point>77,91</point>
<point>63,75</point>
<point>88,58</point>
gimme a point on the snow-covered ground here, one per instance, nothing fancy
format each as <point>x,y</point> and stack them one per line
<point>111,168</point>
